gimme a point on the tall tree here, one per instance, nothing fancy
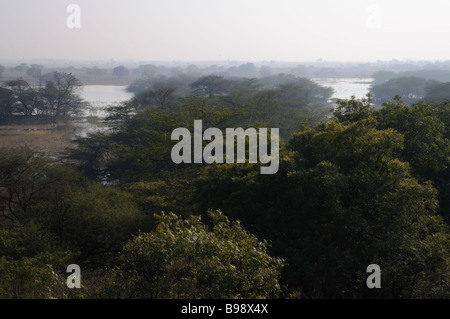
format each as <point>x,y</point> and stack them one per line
<point>210,85</point>
<point>27,99</point>
<point>61,95</point>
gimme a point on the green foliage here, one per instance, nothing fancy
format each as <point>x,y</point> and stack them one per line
<point>120,71</point>
<point>94,220</point>
<point>188,259</point>
<point>426,131</point>
<point>59,96</point>
<point>340,201</point>
<point>31,263</point>
<point>425,148</point>
<point>93,154</point>
<point>438,93</point>
<point>410,89</point>
<point>25,98</point>
<point>24,176</point>
<point>211,85</point>
<point>68,211</point>
<point>137,154</point>
<point>364,188</point>
<point>27,240</point>
<point>160,97</point>
<point>354,109</point>
<point>29,278</point>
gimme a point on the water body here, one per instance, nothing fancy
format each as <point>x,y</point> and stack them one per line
<point>99,97</point>
<point>102,96</point>
<point>105,93</point>
<point>345,88</point>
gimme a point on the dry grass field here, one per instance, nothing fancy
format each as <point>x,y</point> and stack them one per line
<point>49,136</point>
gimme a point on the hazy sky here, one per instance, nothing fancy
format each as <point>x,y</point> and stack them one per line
<point>245,30</point>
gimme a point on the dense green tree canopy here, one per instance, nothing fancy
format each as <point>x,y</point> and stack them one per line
<point>188,259</point>
<point>438,93</point>
<point>341,200</point>
<point>410,89</point>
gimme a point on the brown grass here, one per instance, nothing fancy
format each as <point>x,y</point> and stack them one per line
<point>49,136</point>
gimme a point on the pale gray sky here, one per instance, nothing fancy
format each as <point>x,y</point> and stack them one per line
<point>245,30</point>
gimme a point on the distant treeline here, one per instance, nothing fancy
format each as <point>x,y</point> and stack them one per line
<point>106,72</point>
<point>440,75</point>
<point>59,94</point>
<point>412,89</point>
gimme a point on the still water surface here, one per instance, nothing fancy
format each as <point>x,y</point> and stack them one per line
<point>105,93</point>
<point>344,88</point>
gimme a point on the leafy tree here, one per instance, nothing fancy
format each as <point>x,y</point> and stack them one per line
<point>30,278</point>
<point>31,263</point>
<point>26,98</point>
<point>120,71</point>
<point>93,154</point>
<point>61,95</point>
<point>188,259</point>
<point>426,130</point>
<point>353,110</point>
<point>161,97</point>
<point>179,83</point>
<point>299,91</point>
<point>210,85</point>
<point>425,146</point>
<point>93,220</point>
<point>86,218</point>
